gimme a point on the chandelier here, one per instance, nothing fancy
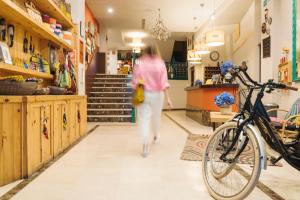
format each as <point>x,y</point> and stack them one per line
<point>160,31</point>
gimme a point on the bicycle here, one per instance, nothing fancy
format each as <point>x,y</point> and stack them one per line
<point>236,152</point>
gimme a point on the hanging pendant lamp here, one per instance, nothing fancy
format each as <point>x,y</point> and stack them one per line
<point>214,37</point>
<point>193,56</point>
<point>202,49</point>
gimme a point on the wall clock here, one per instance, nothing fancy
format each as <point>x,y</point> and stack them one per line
<point>214,56</point>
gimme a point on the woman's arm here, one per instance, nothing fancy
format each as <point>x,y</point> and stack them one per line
<point>169,101</point>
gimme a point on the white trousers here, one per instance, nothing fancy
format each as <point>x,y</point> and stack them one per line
<point>149,115</point>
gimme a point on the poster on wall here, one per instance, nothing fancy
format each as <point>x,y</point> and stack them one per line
<point>267,18</point>
<point>267,47</point>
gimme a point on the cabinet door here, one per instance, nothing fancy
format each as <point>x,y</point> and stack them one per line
<point>83,113</point>
<point>39,149</point>
<point>46,142</point>
<point>57,128</point>
<point>10,142</point>
<point>66,129</point>
<point>75,120</point>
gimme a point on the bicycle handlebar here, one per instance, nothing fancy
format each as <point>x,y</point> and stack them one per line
<point>243,68</point>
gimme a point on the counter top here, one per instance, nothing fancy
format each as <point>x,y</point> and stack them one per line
<point>226,85</point>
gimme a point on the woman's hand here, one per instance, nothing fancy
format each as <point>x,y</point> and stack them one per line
<point>169,103</point>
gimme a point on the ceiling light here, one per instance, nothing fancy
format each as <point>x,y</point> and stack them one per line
<point>215,38</point>
<point>110,10</point>
<point>136,44</point>
<point>195,62</point>
<point>137,50</point>
<point>136,34</point>
<point>192,56</point>
<point>201,48</point>
<point>160,31</point>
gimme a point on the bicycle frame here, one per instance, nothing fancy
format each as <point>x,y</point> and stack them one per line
<point>257,115</point>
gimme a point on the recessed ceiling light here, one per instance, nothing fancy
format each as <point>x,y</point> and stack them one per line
<point>110,10</point>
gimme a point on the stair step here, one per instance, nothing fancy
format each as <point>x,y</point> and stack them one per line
<point>109,119</point>
<point>113,87</point>
<point>111,80</point>
<point>108,85</point>
<point>111,76</point>
<point>108,109</point>
<point>102,112</point>
<point>109,100</point>
<point>109,106</point>
<point>110,94</point>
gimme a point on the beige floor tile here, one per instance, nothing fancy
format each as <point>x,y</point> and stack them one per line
<point>107,165</point>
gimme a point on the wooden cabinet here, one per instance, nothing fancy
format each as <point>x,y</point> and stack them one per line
<point>10,140</point>
<point>40,137</point>
<point>36,129</point>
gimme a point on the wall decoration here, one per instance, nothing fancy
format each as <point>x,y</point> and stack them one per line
<point>267,47</point>
<point>267,19</point>
<point>295,50</point>
<point>11,35</point>
<point>2,29</point>
<point>5,54</point>
<point>81,29</point>
<point>215,56</point>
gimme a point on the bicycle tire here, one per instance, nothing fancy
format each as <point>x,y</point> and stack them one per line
<point>256,168</point>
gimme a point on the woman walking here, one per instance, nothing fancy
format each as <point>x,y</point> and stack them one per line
<point>151,70</point>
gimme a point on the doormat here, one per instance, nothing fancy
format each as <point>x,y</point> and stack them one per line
<point>195,145</point>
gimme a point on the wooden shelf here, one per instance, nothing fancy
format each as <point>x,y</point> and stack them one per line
<point>50,8</point>
<point>12,12</point>
<point>21,71</point>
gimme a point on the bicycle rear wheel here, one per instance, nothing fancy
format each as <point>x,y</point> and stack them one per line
<point>231,179</point>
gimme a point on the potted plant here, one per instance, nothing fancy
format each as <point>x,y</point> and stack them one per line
<point>225,102</point>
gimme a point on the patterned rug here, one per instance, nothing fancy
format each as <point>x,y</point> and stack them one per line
<point>195,144</point>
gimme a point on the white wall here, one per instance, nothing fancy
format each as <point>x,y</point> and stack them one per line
<point>78,15</point>
<point>246,47</point>
<point>281,37</point>
<point>178,94</point>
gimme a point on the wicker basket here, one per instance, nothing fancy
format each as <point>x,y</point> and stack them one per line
<point>9,87</point>
<point>57,90</point>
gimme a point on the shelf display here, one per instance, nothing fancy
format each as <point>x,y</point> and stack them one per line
<point>210,71</point>
<point>45,31</point>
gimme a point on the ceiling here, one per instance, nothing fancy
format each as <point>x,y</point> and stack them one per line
<point>181,17</point>
<point>178,15</point>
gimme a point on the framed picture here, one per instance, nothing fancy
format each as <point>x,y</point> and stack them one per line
<point>82,29</point>
<point>4,54</point>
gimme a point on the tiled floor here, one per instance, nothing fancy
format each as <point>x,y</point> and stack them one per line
<point>107,165</point>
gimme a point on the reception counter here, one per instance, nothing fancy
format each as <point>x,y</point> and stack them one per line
<point>200,100</point>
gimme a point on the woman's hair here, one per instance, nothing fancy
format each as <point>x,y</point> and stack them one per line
<point>150,51</point>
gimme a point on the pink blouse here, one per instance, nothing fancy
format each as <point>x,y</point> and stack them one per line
<point>152,71</point>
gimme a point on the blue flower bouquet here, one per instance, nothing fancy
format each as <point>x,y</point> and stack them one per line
<point>224,101</point>
<point>225,67</point>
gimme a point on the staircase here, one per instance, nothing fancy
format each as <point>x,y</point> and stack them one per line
<point>109,98</point>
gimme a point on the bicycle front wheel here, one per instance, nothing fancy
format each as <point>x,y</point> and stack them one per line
<point>235,176</point>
